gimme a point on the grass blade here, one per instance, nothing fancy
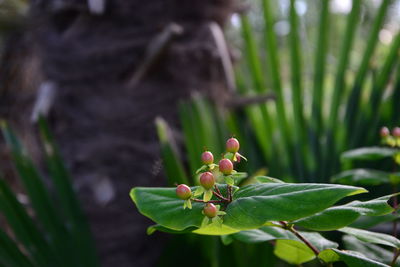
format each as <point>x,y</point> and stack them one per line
<point>41,202</point>
<point>301,144</point>
<point>79,228</point>
<point>10,255</point>
<point>339,86</point>
<point>376,97</point>
<point>274,66</point>
<point>353,102</point>
<point>25,229</point>
<point>171,161</point>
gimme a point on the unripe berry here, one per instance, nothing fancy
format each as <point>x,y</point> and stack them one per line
<point>384,132</point>
<point>225,166</point>
<point>396,132</point>
<point>207,180</point>
<point>207,157</point>
<point>210,210</point>
<point>232,145</point>
<point>183,191</point>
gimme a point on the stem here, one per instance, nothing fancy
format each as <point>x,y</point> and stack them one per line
<point>305,241</point>
<point>230,193</point>
<point>218,195</point>
<point>217,189</point>
<point>395,256</point>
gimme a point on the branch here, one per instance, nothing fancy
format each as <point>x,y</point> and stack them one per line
<point>305,241</point>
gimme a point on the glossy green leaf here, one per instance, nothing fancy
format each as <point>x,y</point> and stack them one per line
<point>372,237</point>
<point>256,204</point>
<point>166,209</point>
<point>293,252</point>
<point>269,233</point>
<point>339,216</point>
<point>364,177</point>
<point>366,222</point>
<point>351,258</point>
<point>372,251</point>
<point>369,153</point>
<point>151,229</point>
<point>267,179</point>
<point>252,207</point>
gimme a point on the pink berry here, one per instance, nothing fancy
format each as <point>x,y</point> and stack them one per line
<point>384,132</point>
<point>232,145</point>
<point>225,166</point>
<point>183,191</point>
<point>210,210</point>
<point>396,132</point>
<point>207,157</point>
<point>207,180</point>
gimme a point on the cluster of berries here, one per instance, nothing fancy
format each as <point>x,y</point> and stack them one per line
<point>208,184</point>
<point>392,140</point>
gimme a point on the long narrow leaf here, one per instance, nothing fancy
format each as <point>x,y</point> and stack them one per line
<point>80,231</point>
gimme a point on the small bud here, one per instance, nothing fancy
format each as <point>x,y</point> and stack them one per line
<point>210,210</point>
<point>207,157</point>
<point>232,145</point>
<point>183,191</point>
<point>207,180</point>
<point>225,166</point>
<point>396,132</point>
<point>384,132</point>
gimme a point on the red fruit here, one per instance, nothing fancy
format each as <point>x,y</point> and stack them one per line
<point>232,145</point>
<point>225,166</point>
<point>396,132</point>
<point>207,180</point>
<point>207,157</point>
<point>210,210</point>
<point>384,132</point>
<point>183,191</point>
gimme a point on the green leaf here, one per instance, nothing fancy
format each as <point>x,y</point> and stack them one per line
<point>351,258</point>
<point>369,153</point>
<point>203,168</point>
<point>229,180</point>
<point>373,252</point>
<point>267,179</point>
<point>151,229</point>
<point>165,208</point>
<point>372,237</point>
<point>199,191</point>
<point>366,222</point>
<point>226,239</point>
<point>239,175</point>
<point>269,233</point>
<point>256,204</point>
<point>339,216</point>
<point>215,229</point>
<point>365,177</point>
<point>208,194</point>
<point>293,252</point>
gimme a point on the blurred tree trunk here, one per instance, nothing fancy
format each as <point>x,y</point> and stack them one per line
<point>88,52</point>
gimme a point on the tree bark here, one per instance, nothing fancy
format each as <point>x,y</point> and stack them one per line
<point>103,118</point>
